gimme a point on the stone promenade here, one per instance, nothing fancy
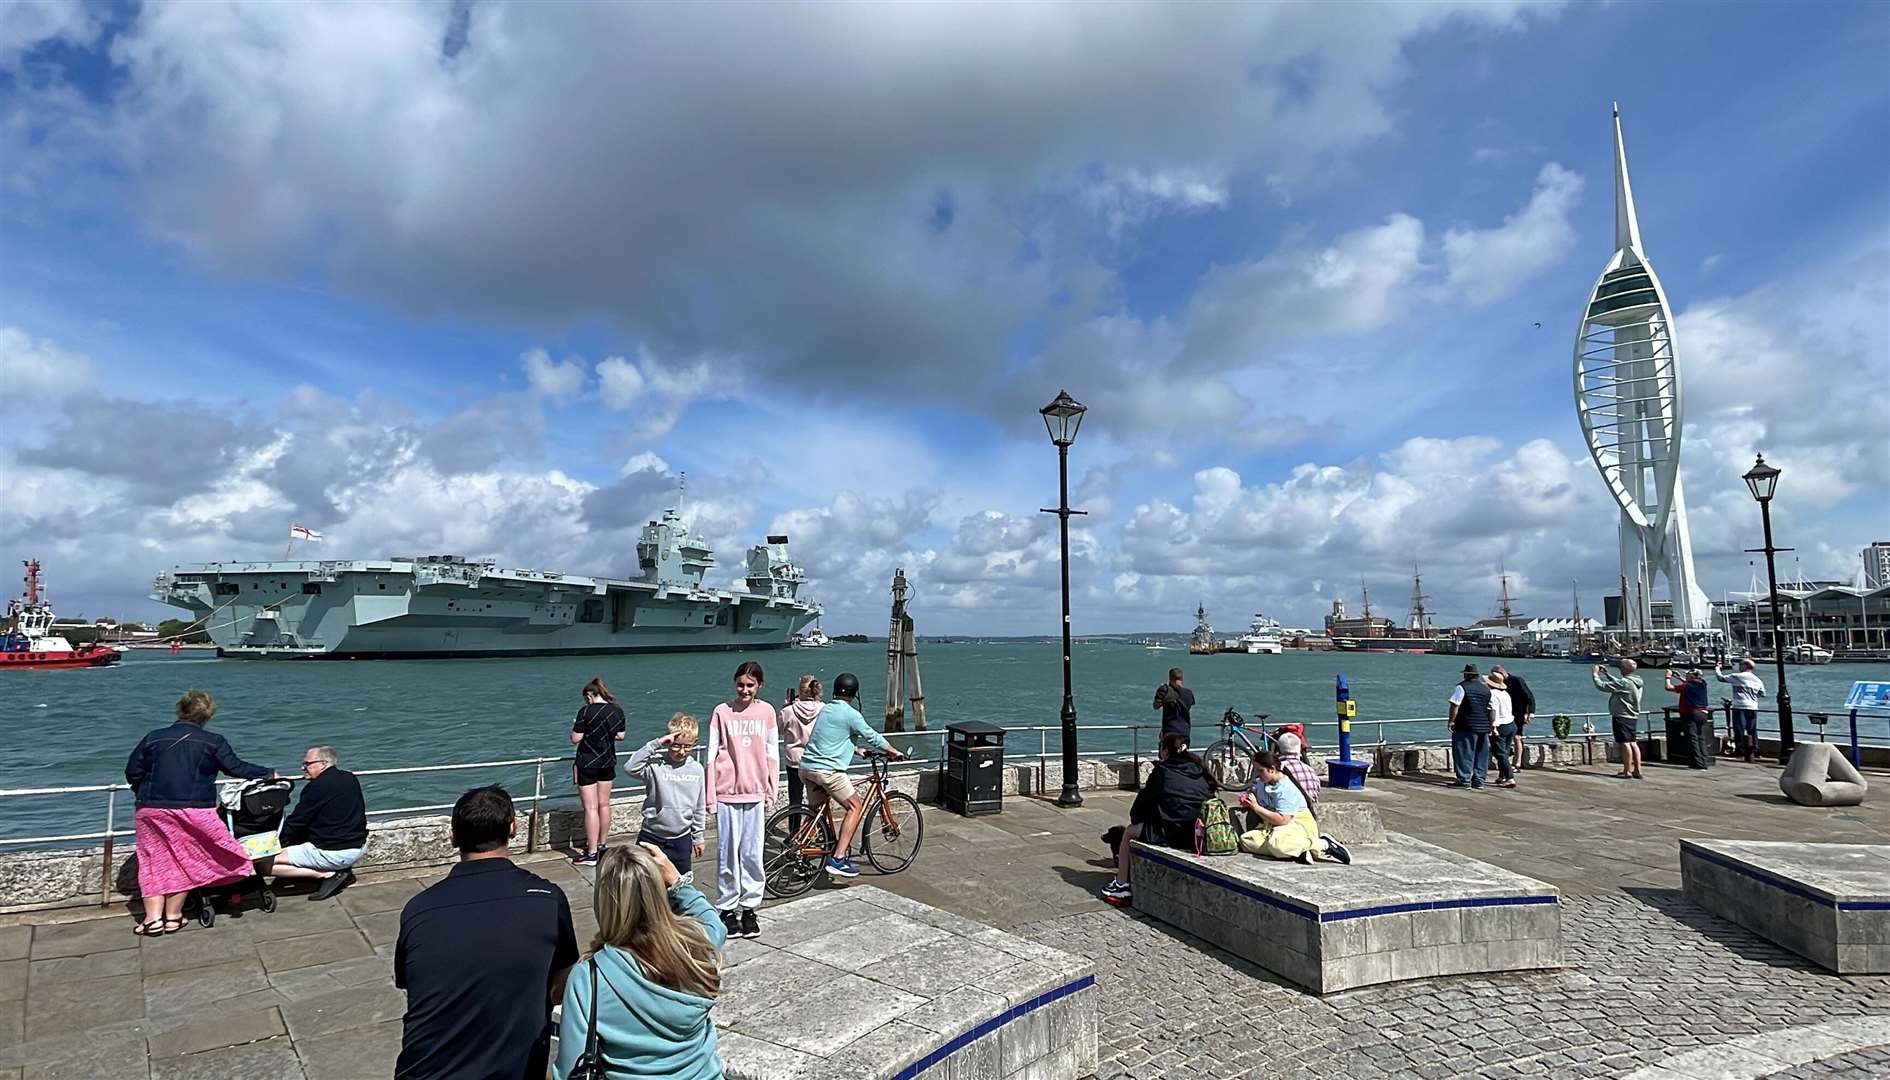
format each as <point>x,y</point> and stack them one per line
<point>1656,989</point>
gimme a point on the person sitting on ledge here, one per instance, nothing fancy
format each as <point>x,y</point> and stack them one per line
<point>324,836</point>
<point>1287,829</point>
<point>1164,811</point>
<point>1293,766</point>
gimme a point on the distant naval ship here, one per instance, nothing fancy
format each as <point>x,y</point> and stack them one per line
<point>443,606</point>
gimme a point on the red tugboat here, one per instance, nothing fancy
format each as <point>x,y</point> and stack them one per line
<point>29,642</point>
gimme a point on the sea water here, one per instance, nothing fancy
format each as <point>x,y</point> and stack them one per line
<point>76,727</point>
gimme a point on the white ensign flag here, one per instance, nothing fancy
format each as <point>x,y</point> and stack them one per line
<point>303,532</point>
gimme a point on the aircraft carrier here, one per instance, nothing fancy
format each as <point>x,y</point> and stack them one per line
<point>443,606</point>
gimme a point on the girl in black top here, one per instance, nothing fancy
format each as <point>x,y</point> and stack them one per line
<point>596,732</point>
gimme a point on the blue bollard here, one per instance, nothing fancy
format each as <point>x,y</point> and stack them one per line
<point>1342,771</point>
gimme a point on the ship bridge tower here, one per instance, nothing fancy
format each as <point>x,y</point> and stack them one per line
<point>1627,396</point>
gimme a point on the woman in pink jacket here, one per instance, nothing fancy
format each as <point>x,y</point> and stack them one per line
<point>744,760</point>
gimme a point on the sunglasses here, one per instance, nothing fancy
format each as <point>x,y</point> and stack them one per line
<point>312,764</point>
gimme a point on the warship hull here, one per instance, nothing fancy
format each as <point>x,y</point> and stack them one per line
<point>443,608</point>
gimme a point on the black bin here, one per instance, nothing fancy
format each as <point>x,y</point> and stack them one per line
<point>1679,747</point>
<point>974,768</point>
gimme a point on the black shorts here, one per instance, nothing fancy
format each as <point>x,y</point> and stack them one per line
<point>1624,731</point>
<point>584,776</point>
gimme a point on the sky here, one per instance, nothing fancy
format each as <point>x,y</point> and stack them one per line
<point>489,279</point>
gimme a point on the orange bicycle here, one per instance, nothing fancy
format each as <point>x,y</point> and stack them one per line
<point>800,839</point>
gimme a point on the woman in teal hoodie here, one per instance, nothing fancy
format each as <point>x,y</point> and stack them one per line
<point>658,961</point>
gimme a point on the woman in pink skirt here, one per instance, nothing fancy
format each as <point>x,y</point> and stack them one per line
<point>182,843</point>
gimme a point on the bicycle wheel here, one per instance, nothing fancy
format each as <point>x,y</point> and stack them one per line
<point>890,837</point>
<point>794,847</point>
<point>1229,765</point>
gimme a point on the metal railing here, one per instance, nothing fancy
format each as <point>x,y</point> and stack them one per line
<point>1366,734</point>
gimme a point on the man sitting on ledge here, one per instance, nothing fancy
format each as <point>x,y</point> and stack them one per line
<point>1164,811</point>
<point>326,833</point>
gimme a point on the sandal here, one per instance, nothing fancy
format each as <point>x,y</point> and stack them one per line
<point>169,929</point>
<point>149,928</point>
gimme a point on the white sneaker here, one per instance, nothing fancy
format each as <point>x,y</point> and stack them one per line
<point>1116,892</point>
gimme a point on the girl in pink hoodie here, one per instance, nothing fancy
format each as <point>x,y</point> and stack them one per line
<point>744,760</point>
<point>797,721</point>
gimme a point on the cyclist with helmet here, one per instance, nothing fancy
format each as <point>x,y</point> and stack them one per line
<point>831,744</point>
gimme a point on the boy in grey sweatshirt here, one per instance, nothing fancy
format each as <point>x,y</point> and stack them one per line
<point>672,792</point>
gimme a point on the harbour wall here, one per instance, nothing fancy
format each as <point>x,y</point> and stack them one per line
<point>74,877</point>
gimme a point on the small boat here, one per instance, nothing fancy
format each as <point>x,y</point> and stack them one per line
<point>814,639</point>
<point>29,641</point>
<point>1806,653</point>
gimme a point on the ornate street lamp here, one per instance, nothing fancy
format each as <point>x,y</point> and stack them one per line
<point>1062,417</point>
<point>1762,481</point>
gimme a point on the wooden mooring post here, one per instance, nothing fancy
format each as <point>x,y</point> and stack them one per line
<point>902,663</point>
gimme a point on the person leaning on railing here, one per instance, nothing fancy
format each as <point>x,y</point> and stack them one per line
<point>182,844</point>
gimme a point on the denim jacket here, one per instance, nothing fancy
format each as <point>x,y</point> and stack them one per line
<point>175,768</point>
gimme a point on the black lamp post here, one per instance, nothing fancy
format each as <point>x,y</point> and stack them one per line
<point>1763,481</point>
<point>1062,417</point>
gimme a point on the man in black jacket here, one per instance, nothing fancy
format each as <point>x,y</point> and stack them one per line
<point>1523,701</point>
<point>1164,811</point>
<point>325,835</point>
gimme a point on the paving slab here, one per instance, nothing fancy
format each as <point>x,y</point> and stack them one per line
<point>15,942</point>
<point>380,927</point>
<point>196,947</point>
<point>313,949</point>
<point>367,898</point>
<point>192,988</point>
<point>354,1008</point>
<point>295,918</point>
<point>126,961</point>
<point>362,1053</point>
<point>1829,903</point>
<point>274,1059</point>
<point>120,1057</point>
<point>13,975</point>
<point>81,938</point>
<point>217,1031</point>
<point>61,1005</point>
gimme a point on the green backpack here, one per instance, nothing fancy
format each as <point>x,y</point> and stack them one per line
<point>1215,834</point>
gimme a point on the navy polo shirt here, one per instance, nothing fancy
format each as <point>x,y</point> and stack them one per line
<point>476,955</point>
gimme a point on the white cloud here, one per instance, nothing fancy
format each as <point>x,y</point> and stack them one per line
<point>25,24</point>
<point>619,382</point>
<point>35,373</point>
<point>559,380</point>
<point>1486,265</point>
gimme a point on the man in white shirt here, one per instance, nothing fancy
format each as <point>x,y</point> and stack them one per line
<point>1746,690</point>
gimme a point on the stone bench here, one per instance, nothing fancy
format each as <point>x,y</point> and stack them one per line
<point>1829,903</point>
<point>1404,909</point>
<point>861,983</point>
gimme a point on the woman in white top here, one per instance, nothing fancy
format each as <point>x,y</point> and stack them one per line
<point>1502,728</point>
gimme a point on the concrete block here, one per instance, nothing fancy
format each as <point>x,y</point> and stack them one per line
<point>1816,900</point>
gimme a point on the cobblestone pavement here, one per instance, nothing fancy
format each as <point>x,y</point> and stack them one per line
<point>307,992</point>
<point>1871,1064</point>
<point>1650,975</point>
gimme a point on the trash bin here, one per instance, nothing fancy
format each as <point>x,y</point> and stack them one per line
<point>1680,747</point>
<point>974,768</point>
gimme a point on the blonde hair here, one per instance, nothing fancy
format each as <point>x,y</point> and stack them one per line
<point>196,707</point>
<point>810,688</point>
<point>684,724</point>
<point>633,914</point>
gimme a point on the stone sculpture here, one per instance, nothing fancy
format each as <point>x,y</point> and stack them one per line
<point>1819,775</point>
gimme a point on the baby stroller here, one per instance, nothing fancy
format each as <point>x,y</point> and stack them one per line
<point>253,811</point>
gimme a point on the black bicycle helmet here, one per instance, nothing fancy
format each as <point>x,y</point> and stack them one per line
<point>846,685</point>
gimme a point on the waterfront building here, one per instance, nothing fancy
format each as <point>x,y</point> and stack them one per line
<point>1627,397</point>
<point>1339,625</point>
<point>1877,565</point>
<point>1845,619</point>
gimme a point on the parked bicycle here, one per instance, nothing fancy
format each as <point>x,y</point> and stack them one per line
<point>1230,760</point>
<point>799,840</point>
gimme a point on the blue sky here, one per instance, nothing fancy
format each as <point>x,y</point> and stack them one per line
<point>272,263</point>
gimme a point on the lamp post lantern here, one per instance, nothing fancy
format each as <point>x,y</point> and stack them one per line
<point>1062,417</point>
<point>1762,481</point>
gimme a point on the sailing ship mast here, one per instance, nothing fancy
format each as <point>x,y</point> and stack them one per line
<point>1503,599</point>
<point>1420,617</point>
